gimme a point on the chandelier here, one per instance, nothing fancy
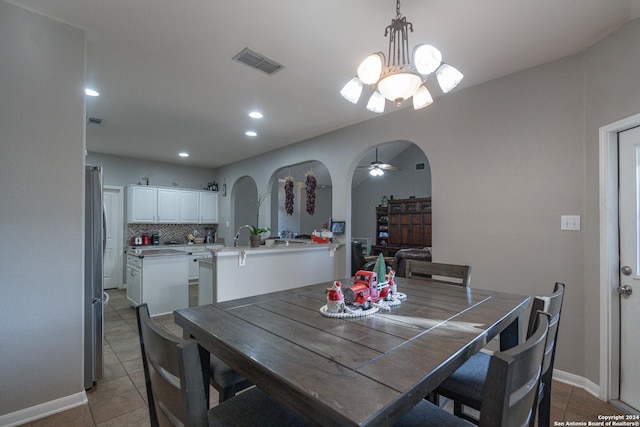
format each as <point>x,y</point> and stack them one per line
<point>400,78</point>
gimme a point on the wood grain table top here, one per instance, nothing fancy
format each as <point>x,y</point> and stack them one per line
<point>362,371</point>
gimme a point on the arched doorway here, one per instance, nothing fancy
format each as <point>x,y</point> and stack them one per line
<point>244,196</point>
<point>300,222</point>
<point>412,179</point>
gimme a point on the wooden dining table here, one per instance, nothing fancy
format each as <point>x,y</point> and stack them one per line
<point>361,371</point>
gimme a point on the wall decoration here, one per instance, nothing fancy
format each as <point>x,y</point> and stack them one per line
<point>311,193</point>
<point>289,196</point>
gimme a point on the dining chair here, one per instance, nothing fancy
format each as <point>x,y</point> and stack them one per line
<point>176,387</point>
<point>225,380</point>
<point>446,273</point>
<point>467,386</point>
<point>510,390</point>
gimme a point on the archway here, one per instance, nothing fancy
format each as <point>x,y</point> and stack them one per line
<point>300,222</point>
<point>411,180</point>
<point>244,196</point>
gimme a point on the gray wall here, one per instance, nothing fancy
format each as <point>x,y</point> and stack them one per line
<point>122,171</point>
<point>41,194</point>
<point>507,158</point>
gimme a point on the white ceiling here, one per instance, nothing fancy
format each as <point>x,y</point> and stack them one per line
<point>168,81</point>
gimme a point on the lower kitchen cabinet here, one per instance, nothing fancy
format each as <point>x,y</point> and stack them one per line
<point>160,280</point>
<point>134,285</point>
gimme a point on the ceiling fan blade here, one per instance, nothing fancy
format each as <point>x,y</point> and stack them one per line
<point>388,167</point>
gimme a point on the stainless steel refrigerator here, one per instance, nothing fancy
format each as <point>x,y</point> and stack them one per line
<point>94,231</point>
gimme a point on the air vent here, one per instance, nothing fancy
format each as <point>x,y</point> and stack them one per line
<point>419,166</point>
<point>94,121</point>
<point>258,61</point>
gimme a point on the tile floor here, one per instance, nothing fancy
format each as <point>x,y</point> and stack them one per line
<point>120,398</point>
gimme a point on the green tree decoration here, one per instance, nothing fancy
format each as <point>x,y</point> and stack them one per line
<point>380,268</point>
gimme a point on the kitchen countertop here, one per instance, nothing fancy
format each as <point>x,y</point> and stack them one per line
<point>141,253</point>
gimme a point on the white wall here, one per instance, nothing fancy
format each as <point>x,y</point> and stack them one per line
<point>122,171</point>
<point>507,158</point>
<point>41,206</point>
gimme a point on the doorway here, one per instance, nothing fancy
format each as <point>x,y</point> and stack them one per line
<point>629,279</point>
<point>409,176</point>
<point>244,196</point>
<point>113,265</point>
<point>612,350</point>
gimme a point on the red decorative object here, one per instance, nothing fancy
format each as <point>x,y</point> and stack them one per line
<point>288,191</point>
<point>319,239</point>
<point>366,290</point>
<point>311,193</point>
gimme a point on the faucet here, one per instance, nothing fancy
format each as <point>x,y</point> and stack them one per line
<point>235,239</point>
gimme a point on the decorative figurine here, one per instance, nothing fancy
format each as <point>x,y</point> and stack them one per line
<point>335,299</point>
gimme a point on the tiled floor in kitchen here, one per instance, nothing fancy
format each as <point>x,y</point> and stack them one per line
<point>120,398</point>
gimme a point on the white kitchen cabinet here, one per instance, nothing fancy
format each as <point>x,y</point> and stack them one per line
<point>190,207</point>
<point>153,205</point>
<point>134,284</point>
<point>141,204</point>
<point>208,207</point>
<point>168,206</point>
<point>160,280</point>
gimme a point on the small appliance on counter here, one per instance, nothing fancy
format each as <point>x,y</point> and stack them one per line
<point>136,241</point>
<point>210,236</point>
<point>146,239</point>
<point>155,239</point>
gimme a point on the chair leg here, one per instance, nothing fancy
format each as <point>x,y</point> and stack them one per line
<point>226,393</point>
<point>544,408</point>
<point>434,398</point>
<point>457,409</point>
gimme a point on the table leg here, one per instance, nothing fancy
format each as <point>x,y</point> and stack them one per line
<point>510,337</point>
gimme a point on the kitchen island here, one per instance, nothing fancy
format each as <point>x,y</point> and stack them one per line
<point>238,272</point>
<point>158,277</point>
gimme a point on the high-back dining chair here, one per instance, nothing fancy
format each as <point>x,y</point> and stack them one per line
<point>176,387</point>
<point>446,273</point>
<point>467,385</point>
<point>511,388</point>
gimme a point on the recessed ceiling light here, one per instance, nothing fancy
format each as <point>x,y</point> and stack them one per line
<point>251,133</point>
<point>255,115</point>
<point>91,92</point>
<point>183,154</point>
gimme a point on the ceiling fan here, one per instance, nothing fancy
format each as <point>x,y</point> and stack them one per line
<point>377,168</point>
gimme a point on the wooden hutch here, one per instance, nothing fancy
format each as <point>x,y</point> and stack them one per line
<point>403,223</point>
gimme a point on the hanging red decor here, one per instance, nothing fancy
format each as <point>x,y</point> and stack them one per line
<point>289,196</point>
<point>311,193</point>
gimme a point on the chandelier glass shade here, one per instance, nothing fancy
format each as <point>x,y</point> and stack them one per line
<point>398,77</point>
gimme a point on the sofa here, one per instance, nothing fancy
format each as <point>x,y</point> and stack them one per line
<point>399,261</point>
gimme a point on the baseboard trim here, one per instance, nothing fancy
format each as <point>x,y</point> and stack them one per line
<point>43,410</point>
<point>69,402</point>
<point>578,381</point>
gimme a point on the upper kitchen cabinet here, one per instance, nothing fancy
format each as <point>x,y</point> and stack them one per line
<point>208,207</point>
<point>142,204</point>
<point>190,207</point>
<point>168,206</point>
<point>153,205</point>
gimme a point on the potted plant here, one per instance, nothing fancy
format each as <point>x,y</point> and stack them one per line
<point>255,231</point>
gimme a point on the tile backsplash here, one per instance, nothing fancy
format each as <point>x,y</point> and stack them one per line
<point>177,232</point>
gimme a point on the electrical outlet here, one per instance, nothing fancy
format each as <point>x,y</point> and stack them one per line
<point>570,222</point>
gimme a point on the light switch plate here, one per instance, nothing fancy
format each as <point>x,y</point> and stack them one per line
<point>570,222</point>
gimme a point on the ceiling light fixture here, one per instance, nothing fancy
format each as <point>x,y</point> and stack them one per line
<point>251,133</point>
<point>91,92</point>
<point>401,78</point>
<point>183,154</point>
<point>376,171</point>
<point>255,115</point>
